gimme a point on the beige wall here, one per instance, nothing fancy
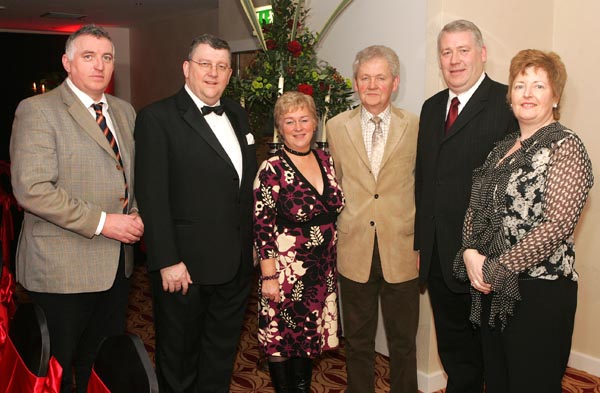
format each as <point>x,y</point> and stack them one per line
<point>158,49</point>
<point>576,30</point>
<point>122,73</point>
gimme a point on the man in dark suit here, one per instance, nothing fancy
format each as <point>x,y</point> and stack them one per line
<point>196,163</point>
<point>446,156</point>
<point>77,190</point>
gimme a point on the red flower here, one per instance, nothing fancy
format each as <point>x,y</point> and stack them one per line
<point>290,23</point>
<point>295,47</point>
<point>305,88</point>
<point>267,27</point>
<point>271,44</point>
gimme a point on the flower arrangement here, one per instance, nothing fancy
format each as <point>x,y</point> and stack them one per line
<point>288,61</point>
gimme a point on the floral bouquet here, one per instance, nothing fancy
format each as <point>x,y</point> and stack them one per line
<point>288,61</point>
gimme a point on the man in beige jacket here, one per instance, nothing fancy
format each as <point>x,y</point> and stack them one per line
<point>374,149</point>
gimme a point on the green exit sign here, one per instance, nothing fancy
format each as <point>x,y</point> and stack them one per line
<point>264,14</point>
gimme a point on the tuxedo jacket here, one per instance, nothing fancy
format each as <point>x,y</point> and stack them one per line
<point>385,204</point>
<point>64,174</point>
<point>445,162</point>
<point>193,206</point>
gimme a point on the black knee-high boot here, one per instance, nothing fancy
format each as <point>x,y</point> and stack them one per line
<point>280,375</point>
<point>301,370</point>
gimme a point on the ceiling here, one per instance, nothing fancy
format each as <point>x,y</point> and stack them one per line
<point>26,14</point>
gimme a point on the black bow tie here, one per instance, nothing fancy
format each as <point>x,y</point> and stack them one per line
<point>218,110</point>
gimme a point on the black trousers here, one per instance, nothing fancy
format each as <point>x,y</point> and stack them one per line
<point>531,354</point>
<point>400,311</point>
<point>77,323</point>
<point>197,334</point>
<point>459,344</point>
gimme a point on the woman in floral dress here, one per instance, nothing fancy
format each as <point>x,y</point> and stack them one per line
<point>297,199</point>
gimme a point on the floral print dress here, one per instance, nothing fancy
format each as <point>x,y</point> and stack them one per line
<point>294,224</point>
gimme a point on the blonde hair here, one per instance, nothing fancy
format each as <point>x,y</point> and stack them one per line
<point>291,101</point>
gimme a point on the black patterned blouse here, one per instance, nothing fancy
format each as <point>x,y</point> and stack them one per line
<point>522,214</point>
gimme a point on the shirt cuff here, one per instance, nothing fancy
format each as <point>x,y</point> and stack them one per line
<point>101,224</point>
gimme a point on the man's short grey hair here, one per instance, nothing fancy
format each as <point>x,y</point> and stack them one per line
<point>459,26</point>
<point>92,30</point>
<point>377,51</point>
<point>210,40</point>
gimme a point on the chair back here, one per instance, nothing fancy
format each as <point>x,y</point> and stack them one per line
<point>123,365</point>
<point>29,334</point>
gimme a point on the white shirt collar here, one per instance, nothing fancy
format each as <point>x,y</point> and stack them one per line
<point>199,103</point>
<point>464,97</point>
<point>86,100</point>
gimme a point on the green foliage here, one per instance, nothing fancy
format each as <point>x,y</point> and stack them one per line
<point>290,53</point>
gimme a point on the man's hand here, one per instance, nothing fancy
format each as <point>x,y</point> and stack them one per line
<point>127,229</point>
<point>176,278</point>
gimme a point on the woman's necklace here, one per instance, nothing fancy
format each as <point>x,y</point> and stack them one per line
<point>294,152</point>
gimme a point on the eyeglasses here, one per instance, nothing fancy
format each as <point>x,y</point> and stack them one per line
<point>208,66</point>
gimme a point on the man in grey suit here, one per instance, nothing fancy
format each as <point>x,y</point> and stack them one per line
<point>457,129</point>
<point>72,172</point>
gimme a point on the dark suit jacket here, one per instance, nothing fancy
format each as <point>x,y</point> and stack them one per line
<point>444,169</point>
<point>189,195</point>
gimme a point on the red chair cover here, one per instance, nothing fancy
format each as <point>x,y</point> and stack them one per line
<point>16,378</point>
<point>7,304</point>
<point>6,225</point>
<point>95,385</point>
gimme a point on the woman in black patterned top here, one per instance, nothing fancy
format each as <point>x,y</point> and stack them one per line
<point>518,249</point>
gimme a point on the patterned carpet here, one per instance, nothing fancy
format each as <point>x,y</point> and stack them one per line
<point>329,375</point>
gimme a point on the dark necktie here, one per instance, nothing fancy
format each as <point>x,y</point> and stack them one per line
<point>217,110</point>
<point>101,120</point>
<point>452,113</point>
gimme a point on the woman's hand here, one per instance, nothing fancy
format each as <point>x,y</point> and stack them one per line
<point>474,264</point>
<point>270,287</point>
<point>270,290</point>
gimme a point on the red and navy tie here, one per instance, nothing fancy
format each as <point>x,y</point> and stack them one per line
<point>101,120</point>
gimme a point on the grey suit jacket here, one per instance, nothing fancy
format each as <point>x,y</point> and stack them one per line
<point>386,204</point>
<point>64,174</point>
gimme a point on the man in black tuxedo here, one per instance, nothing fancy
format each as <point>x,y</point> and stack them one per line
<point>196,161</point>
<point>445,162</point>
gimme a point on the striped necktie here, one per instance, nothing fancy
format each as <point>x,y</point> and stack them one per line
<point>101,120</point>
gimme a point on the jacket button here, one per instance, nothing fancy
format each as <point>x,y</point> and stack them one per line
<point>119,167</point>
<point>122,199</point>
<point>372,223</point>
<point>376,196</point>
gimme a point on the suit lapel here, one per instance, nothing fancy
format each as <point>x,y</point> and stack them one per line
<point>241,137</point>
<point>194,118</point>
<point>83,117</point>
<point>120,123</point>
<point>476,104</point>
<point>354,131</point>
<point>397,129</point>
